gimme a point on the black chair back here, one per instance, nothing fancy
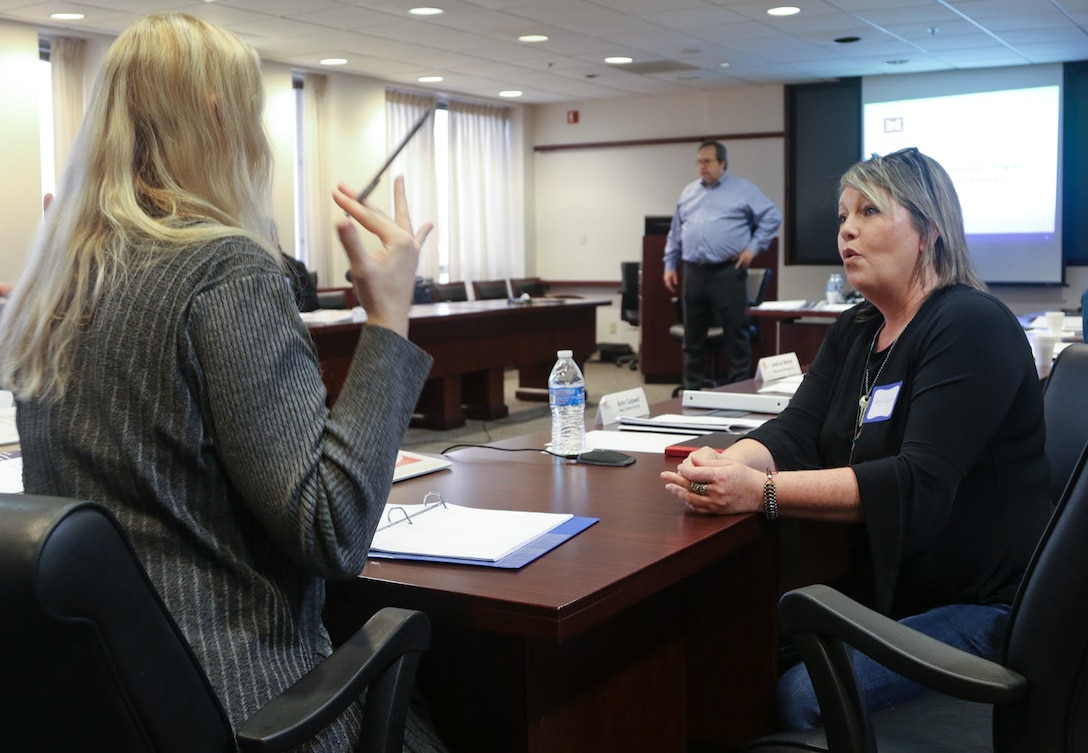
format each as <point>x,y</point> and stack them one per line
<point>1065,411</point>
<point>534,286</point>
<point>450,291</point>
<point>757,284</point>
<point>631,278</point>
<point>424,290</point>
<point>91,659</point>
<point>1048,635</point>
<point>490,289</point>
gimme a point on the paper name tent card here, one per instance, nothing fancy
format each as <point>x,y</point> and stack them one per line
<point>412,464</point>
<point>440,529</point>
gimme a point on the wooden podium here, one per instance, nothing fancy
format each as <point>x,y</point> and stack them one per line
<point>660,357</point>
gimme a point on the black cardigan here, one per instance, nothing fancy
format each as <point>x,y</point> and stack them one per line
<point>953,480</point>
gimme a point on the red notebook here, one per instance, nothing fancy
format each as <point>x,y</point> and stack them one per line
<point>718,440</point>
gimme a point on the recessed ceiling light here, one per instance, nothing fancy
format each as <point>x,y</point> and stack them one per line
<point>66,16</point>
<point>510,93</point>
<point>618,60</point>
<point>723,65</point>
<point>533,38</point>
<point>429,79</point>
<point>784,10</point>
<point>426,11</point>
<point>334,61</point>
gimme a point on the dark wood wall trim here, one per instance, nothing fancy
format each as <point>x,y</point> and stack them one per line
<point>658,142</point>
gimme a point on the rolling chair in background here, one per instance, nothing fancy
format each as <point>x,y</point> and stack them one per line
<point>631,280</point>
<point>534,286</point>
<point>450,291</point>
<point>92,661</point>
<point>332,299</point>
<point>483,290</point>
<point>757,289</point>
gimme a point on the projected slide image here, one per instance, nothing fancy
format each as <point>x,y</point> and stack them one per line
<point>1000,148</point>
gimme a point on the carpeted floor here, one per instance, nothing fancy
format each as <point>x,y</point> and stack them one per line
<point>602,378</point>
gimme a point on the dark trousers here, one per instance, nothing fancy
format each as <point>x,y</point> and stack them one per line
<point>715,295</point>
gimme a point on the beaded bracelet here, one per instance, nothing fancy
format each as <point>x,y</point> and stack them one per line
<point>770,499</point>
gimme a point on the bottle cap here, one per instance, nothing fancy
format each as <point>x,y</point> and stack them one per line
<point>564,353</point>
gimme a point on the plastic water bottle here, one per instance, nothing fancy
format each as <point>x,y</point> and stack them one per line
<point>834,288</point>
<point>567,398</point>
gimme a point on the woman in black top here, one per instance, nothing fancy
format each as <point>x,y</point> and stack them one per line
<point>920,422</point>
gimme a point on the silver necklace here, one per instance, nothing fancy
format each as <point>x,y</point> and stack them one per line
<point>867,388</point>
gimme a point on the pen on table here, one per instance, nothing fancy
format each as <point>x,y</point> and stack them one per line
<point>404,142</point>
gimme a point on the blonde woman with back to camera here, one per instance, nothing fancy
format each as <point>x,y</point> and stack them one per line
<point>160,366</point>
<point>919,425</point>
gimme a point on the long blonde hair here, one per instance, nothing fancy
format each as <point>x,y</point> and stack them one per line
<point>172,153</point>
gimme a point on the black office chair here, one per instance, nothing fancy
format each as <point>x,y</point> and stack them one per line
<point>757,281</point>
<point>1065,410</point>
<point>1032,701</point>
<point>484,290</point>
<point>631,282</point>
<point>450,291</point>
<point>332,299</point>
<point>92,661</point>
<point>424,290</point>
<point>534,286</point>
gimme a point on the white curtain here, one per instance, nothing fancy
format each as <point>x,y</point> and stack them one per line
<point>417,164</point>
<point>482,237</point>
<point>317,247</point>
<point>66,74</point>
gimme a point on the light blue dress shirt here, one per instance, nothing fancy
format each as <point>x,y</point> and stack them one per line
<point>713,224</point>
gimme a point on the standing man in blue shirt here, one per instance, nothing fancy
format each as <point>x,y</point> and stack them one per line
<point>721,222</point>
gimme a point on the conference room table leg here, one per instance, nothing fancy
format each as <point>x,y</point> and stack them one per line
<point>483,395</point>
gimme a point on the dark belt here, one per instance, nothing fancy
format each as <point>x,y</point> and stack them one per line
<point>714,266</point>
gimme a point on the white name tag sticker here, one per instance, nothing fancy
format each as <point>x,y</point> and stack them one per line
<point>882,403</point>
<point>777,367</point>
<point>631,403</point>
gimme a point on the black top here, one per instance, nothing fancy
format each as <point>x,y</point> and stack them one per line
<point>950,461</point>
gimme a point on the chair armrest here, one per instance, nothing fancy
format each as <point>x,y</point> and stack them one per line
<point>826,612</point>
<point>381,656</point>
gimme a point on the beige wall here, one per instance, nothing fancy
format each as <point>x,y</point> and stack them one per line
<point>20,160</point>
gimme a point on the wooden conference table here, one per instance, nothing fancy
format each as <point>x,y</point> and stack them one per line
<point>651,630</point>
<point>472,342</point>
<point>799,328</point>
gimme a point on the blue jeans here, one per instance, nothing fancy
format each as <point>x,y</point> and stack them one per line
<point>979,630</point>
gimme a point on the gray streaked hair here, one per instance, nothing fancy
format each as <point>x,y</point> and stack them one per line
<point>923,187</point>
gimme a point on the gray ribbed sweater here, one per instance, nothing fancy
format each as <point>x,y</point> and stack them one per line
<point>197,414</point>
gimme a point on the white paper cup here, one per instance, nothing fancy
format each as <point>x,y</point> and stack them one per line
<point>1042,348</point>
<point>1055,320</point>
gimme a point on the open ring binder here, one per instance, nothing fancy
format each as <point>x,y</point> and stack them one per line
<point>440,532</point>
<point>407,516</point>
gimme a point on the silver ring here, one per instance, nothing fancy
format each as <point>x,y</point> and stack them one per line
<point>698,488</point>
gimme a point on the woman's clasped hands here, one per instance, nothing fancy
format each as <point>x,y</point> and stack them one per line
<point>712,484</point>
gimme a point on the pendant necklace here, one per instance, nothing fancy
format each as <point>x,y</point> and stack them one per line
<point>867,388</point>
